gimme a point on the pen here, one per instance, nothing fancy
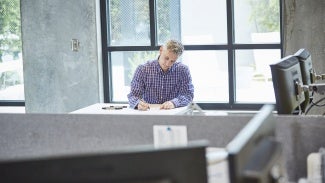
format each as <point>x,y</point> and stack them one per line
<point>145,103</point>
<point>114,107</point>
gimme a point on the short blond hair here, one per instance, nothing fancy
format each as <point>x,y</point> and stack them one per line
<point>175,46</point>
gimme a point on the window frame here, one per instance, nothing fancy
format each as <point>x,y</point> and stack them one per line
<point>230,47</point>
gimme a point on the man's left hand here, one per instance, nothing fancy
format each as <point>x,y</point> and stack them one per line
<point>167,105</point>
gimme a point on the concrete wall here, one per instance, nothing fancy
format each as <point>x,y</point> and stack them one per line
<point>304,27</point>
<point>41,135</point>
<point>57,79</point>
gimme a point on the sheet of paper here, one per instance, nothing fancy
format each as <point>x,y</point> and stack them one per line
<point>154,106</point>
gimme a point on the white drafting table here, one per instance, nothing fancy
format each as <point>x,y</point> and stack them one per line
<point>124,109</point>
<point>216,157</point>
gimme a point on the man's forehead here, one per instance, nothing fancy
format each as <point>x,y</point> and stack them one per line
<point>170,53</point>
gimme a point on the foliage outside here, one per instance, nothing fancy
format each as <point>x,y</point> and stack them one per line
<point>10,28</point>
<point>265,15</point>
<point>10,44</point>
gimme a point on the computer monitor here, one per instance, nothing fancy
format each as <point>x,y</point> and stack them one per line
<point>286,77</point>
<point>254,154</point>
<point>306,67</point>
<point>143,164</point>
<point>309,78</point>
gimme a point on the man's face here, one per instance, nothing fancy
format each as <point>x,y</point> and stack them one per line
<point>166,59</point>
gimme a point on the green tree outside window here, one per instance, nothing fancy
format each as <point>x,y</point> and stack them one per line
<point>10,28</point>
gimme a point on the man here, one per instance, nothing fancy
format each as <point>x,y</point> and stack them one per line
<point>162,81</point>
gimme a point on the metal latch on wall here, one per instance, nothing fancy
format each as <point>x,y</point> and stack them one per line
<point>75,45</point>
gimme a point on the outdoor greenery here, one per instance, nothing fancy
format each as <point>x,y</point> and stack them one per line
<point>265,15</point>
<point>115,19</point>
<point>10,28</point>
<point>140,16</point>
<point>133,14</point>
<point>163,19</point>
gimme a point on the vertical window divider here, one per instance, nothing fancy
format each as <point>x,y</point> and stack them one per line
<point>281,3</point>
<point>104,24</point>
<point>231,60</point>
<point>153,27</point>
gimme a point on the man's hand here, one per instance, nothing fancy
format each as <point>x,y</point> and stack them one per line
<point>167,105</point>
<point>143,106</point>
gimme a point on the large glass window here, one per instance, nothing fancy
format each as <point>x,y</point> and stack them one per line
<point>229,45</point>
<point>11,66</point>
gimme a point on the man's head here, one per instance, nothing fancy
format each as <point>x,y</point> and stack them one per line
<point>169,53</point>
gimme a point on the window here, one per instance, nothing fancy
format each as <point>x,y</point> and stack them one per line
<point>11,66</point>
<point>229,45</point>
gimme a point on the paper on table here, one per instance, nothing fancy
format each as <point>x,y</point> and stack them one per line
<point>154,106</point>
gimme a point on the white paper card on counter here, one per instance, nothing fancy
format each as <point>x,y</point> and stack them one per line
<point>169,135</point>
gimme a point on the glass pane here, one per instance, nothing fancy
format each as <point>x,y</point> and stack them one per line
<point>198,22</point>
<point>209,70</point>
<point>253,75</point>
<point>168,20</point>
<point>129,23</point>
<point>257,21</point>
<point>123,67</point>
<point>11,63</point>
<point>204,22</point>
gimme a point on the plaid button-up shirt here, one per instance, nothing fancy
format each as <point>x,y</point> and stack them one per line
<point>151,84</point>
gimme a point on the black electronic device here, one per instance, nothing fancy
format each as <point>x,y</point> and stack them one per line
<point>287,82</point>
<point>254,155</point>
<point>309,78</point>
<point>307,73</point>
<point>140,164</point>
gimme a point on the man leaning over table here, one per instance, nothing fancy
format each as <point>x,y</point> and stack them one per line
<point>162,81</point>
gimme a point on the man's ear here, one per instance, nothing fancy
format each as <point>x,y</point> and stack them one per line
<point>161,49</point>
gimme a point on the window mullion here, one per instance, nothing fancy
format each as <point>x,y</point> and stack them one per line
<point>231,58</point>
<point>153,26</point>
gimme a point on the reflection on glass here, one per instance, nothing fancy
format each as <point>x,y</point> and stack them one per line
<point>11,63</point>
<point>253,75</point>
<point>257,21</point>
<point>209,71</point>
<point>129,23</point>
<point>123,68</point>
<point>203,22</point>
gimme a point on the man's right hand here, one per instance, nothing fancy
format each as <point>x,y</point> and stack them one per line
<point>143,106</point>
